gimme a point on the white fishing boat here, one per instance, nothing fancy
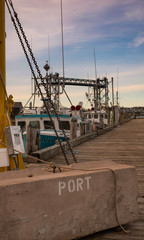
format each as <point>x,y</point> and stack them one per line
<point>44,126</point>
<point>99,119</point>
<point>42,123</point>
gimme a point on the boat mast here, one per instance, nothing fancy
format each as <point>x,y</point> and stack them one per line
<point>62,40</point>
<point>117,95</point>
<point>96,105</point>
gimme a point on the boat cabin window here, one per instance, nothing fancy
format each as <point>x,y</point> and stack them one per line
<point>101,116</point>
<point>34,124</point>
<point>96,116</point>
<point>90,116</point>
<point>105,116</point>
<point>65,125</point>
<point>48,125</point>
<point>85,116</point>
<point>22,125</point>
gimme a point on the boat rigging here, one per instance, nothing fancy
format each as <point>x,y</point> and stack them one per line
<point>30,57</point>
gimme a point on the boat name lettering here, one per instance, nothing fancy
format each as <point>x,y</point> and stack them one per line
<point>79,184</point>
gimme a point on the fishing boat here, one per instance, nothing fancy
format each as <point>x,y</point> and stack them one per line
<point>68,123</point>
<point>41,122</point>
<point>99,119</point>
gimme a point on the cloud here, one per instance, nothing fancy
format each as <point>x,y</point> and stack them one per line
<point>135,13</point>
<point>131,70</point>
<point>17,92</point>
<point>82,21</point>
<point>108,25</point>
<point>138,41</point>
<point>132,88</point>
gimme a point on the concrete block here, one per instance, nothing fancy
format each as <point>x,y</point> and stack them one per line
<point>83,199</point>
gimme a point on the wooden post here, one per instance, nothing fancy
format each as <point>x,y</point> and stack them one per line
<point>73,129</point>
<point>32,144</point>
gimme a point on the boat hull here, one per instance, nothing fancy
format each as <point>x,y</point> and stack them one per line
<point>46,138</point>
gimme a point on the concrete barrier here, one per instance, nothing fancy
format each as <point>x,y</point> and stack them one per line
<point>83,199</point>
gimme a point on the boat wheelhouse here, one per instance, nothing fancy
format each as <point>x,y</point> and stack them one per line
<point>99,119</point>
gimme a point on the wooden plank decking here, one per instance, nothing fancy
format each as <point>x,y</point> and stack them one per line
<point>124,144</point>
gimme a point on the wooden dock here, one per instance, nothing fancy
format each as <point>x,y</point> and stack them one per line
<point>123,144</point>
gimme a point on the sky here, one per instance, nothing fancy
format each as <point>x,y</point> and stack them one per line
<point>114,28</point>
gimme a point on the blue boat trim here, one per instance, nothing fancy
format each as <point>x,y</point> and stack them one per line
<point>45,140</point>
<point>48,141</point>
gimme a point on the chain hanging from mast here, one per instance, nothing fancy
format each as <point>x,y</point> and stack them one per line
<point>40,76</point>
